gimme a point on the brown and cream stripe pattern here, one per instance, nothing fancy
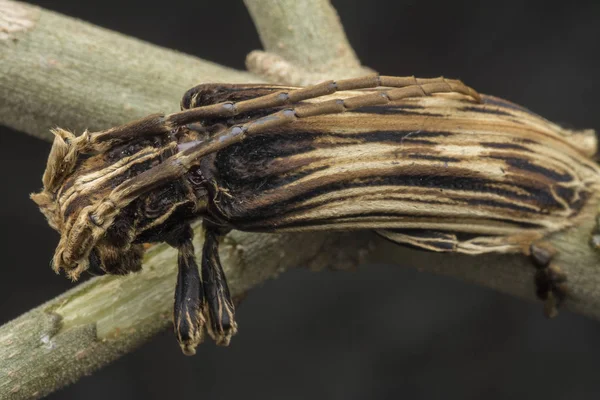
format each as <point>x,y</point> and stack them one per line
<point>441,164</point>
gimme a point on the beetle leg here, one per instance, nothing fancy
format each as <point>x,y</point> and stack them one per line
<point>550,281</point>
<point>213,93</point>
<point>189,296</point>
<point>218,308</point>
<point>416,87</point>
<point>101,141</point>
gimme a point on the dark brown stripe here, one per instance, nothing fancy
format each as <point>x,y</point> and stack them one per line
<point>433,158</point>
<point>528,166</point>
<point>508,146</point>
<point>484,110</point>
<point>397,110</point>
<point>399,136</point>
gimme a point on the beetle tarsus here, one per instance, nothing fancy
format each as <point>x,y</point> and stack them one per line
<point>218,308</point>
<point>189,295</point>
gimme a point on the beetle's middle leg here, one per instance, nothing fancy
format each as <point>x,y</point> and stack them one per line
<point>218,308</point>
<point>189,293</point>
<point>550,280</point>
<point>402,87</point>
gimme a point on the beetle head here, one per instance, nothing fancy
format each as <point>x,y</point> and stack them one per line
<point>79,184</point>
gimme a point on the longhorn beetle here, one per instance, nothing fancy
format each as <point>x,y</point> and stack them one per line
<point>425,162</point>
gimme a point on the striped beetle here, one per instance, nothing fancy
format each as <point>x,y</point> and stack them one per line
<point>427,163</point>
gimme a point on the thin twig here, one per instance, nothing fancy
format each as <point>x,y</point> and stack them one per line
<point>304,43</point>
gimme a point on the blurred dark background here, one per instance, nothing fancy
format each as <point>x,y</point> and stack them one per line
<point>381,332</point>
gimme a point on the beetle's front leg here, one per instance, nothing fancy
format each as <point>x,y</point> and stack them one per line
<point>189,295</point>
<point>218,308</point>
<point>550,281</point>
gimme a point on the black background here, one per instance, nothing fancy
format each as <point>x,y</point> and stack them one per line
<point>381,332</point>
